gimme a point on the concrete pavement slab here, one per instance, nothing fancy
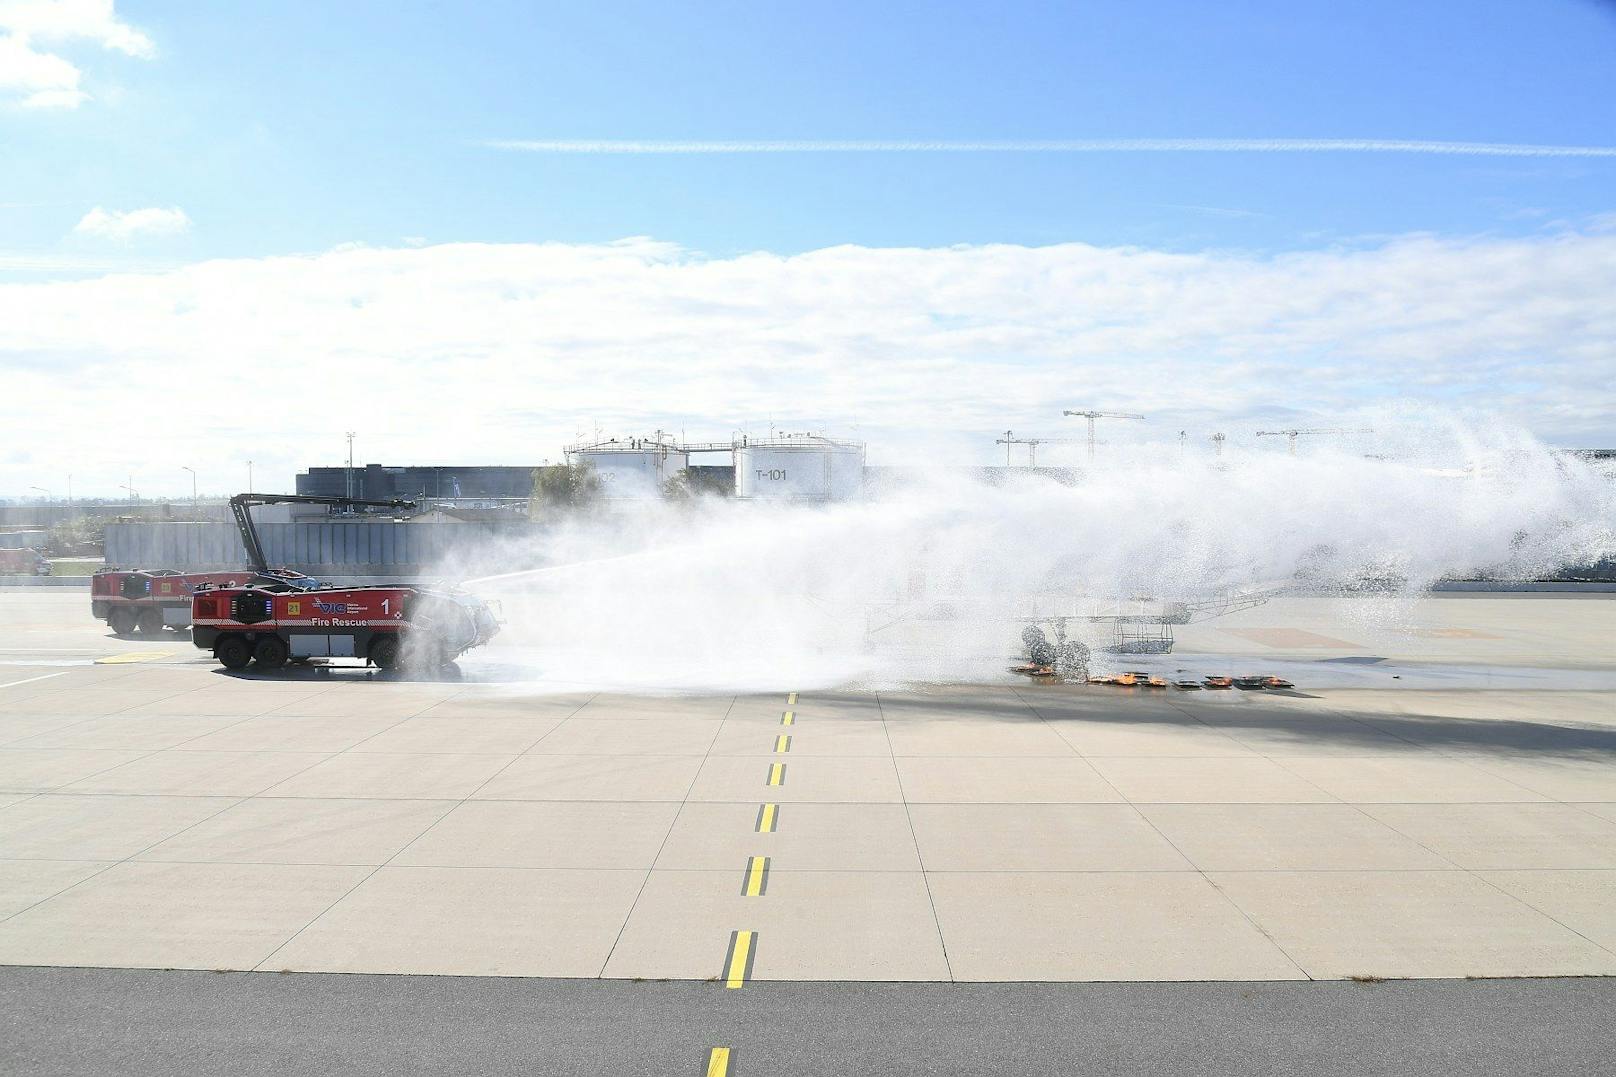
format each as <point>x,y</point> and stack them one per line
<point>228,701</point>
<point>593,777</point>
<point>56,826</point>
<point>1506,835</point>
<point>810,737</point>
<point>142,734</point>
<point>27,882</point>
<point>1040,837</point>
<point>19,727</point>
<point>1098,926</point>
<point>544,834</point>
<point>975,737</point>
<point>204,916</point>
<point>472,922</point>
<point>84,702</point>
<point>1407,780</point>
<point>302,831</point>
<point>844,779</point>
<point>41,769</point>
<point>811,925</point>
<point>1300,837</point>
<point>983,780</point>
<point>1183,737</point>
<point>1604,811</point>
<point>321,735</point>
<point>192,773</point>
<point>1568,779</point>
<point>356,700</point>
<point>1409,923</point>
<point>503,703</point>
<point>1233,780</point>
<point>436,736</point>
<point>391,776</point>
<point>1584,901</point>
<point>805,837</point>
<point>609,706</point>
<point>672,736</point>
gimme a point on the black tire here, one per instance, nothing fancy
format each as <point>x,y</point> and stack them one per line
<point>233,652</point>
<point>150,621</point>
<point>384,652</point>
<point>122,621</point>
<point>271,652</point>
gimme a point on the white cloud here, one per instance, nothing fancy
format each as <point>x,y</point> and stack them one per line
<point>502,352</point>
<point>36,78</point>
<point>124,225</point>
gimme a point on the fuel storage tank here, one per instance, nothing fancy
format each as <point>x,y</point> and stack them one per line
<point>800,468</point>
<point>634,469</point>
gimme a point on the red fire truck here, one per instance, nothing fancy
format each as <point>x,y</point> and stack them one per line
<point>278,617</point>
<point>273,624</point>
<point>149,600</point>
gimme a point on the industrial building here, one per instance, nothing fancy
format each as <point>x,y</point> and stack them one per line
<point>793,467</point>
<point>379,482</point>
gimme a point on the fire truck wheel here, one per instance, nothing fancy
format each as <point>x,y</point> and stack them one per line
<point>233,652</point>
<point>121,621</point>
<point>150,622</point>
<point>384,652</point>
<point>271,653</point>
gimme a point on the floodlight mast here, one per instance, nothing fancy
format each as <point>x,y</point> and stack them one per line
<point>1093,415</point>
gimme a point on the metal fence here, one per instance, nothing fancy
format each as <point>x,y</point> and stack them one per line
<point>338,546</point>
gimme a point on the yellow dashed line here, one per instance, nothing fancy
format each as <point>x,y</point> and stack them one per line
<point>788,718</point>
<point>768,816</point>
<point>782,743</point>
<point>738,962</point>
<point>791,700</point>
<point>777,774</point>
<point>756,881</point>
<point>718,1062</point>
<point>132,656</point>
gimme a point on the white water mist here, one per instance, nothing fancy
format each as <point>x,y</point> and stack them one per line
<point>728,595</point>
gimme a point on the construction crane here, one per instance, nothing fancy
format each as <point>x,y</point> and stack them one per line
<point>1032,444</point>
<point>1093,415</point>
<point>1291,435</point>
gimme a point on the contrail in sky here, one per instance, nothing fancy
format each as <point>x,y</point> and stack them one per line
<point>1078,145</point>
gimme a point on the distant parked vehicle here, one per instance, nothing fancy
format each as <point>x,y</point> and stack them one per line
<point>24,562</point>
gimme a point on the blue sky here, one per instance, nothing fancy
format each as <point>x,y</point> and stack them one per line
<point>298,126</point>
<point>198,194</point>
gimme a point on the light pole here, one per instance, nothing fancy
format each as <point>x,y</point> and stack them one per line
<point>347,483</point>
<point>192,470</point>
<point>249,476</point>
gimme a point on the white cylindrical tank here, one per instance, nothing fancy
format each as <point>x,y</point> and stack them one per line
<point>631,471</point>
<point>799,469</point>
